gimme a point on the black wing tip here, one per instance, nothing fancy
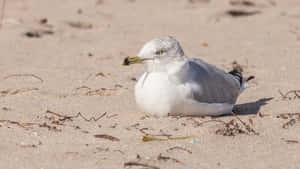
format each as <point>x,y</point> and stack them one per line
<point>250,78</point>
<point>237,74</point>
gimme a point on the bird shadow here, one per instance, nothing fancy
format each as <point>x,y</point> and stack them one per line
<point>250,108</point>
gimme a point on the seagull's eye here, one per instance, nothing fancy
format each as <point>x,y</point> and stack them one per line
<point>159,52</point>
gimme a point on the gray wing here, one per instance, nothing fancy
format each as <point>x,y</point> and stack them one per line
<point>217,85</point>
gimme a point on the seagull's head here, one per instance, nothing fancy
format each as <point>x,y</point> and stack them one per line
<point>156,52</point>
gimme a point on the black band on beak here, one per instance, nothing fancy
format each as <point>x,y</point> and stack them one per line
<point>126,61</point>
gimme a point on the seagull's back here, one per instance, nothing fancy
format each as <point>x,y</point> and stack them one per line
<point>217,85</point>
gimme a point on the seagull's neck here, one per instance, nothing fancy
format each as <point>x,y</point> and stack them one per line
<point>166,65</point>
<point>178,70</point>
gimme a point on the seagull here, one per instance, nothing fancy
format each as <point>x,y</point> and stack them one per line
<point>174,84</point>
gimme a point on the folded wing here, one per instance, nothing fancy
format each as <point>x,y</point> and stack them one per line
<point>217,86</point>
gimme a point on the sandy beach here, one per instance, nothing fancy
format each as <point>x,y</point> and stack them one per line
<point>66,102</point>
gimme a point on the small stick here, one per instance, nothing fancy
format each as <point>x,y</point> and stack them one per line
<point>147,138</point>
<point>201,123</point>
<point>114,115</point>
<point>26,74</point>
<point>120,151</point>
<point>83,87</point>
<point>107,137</point>
<point>26,124</point>
<point>88,120</point>
<point>288,114</point>
<point>166,158</point>
<point>140,164</point>
<point>180,148</point>
<point>2,12</point>
<point>284,96</point>
<point>76,116</point>
<point>291,141</point>
<point>56,114</point>
<point>288,124</point>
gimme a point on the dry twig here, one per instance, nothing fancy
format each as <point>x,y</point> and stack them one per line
<point>288,124</point>
<point>107,137</point>
<point>293,117</point>
<point>179,148</point>
<point>166,158</point>
<point>50,128</point>
<point>111,116</point>
<point>241,13</point>
<point>24,145</point>
<point>26,75</point>
<point>64,117</point>
<point>80,25</point>
<point>16,91</point>
<point>242,3</point>
<point>288,115</point>
<point>59,121</point>
<point>197,123</point>
<point>24,125</point>
<point>296,94</point>
<point>146,138</point>
<point>291,141</point>
<point>132,163</point>
<point>96,92</point>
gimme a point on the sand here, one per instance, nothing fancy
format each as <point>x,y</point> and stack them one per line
<point>59,58</point>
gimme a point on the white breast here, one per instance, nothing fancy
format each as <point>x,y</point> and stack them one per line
<point>155,94</point>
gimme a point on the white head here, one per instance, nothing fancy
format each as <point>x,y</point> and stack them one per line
<point>157,52</point>
<point>161,48</point>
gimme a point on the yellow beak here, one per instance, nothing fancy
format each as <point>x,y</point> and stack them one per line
<point>133,60</point>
